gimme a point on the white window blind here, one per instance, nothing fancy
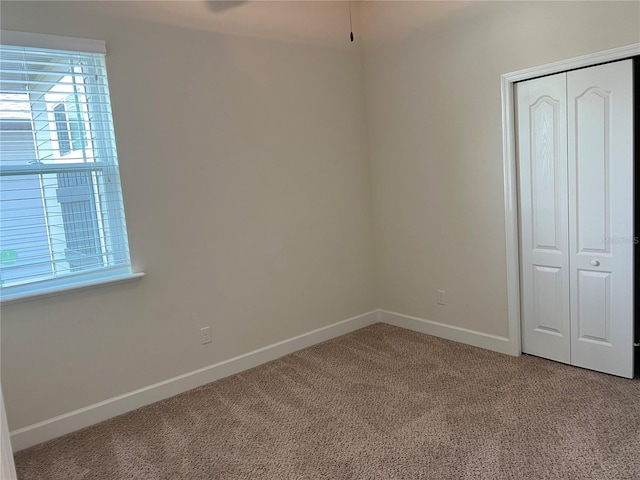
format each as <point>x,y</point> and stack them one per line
<point>61,213</point>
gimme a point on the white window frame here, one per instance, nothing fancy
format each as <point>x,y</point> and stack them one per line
<point>28,291</point>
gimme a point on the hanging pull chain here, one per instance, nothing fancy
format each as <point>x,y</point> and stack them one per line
<point>350,22</point>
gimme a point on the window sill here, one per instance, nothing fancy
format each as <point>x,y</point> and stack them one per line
<point>73,288</point>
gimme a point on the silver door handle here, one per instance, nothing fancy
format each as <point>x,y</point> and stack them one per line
<point>595,263</point>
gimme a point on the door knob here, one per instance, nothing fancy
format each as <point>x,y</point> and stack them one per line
<point>595,263</point>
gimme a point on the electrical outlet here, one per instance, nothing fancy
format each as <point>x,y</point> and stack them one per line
<point>441,299</point>
<point>205,335</point>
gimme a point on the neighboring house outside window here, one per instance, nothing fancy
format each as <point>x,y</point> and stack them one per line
<point>61,212</point>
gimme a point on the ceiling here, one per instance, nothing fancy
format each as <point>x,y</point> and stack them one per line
<point>323,22</point>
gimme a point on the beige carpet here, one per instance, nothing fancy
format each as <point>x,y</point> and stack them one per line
<point>380,403</point>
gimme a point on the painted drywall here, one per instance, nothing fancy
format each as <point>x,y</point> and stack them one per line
<point>432,75</point>
<point>247,195</point>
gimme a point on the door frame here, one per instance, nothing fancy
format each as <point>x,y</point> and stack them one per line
<point>509,165</point>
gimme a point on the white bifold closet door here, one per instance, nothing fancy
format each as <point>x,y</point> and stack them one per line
<point>575,168</point>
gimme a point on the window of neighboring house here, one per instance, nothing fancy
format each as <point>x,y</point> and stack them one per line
<point>69,125</point>
<point>62,129</point>
<point>62,219</point>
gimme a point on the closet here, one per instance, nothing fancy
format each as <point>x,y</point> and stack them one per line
<point>575,174</point>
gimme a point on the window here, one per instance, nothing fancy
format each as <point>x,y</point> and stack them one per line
<point>62,130</point>
<point>70,130</point>
<point>62,220</point>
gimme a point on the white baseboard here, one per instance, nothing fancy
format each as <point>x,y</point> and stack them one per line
<point>69,422</point>
<point>449,332</point>
<point>83,417</point>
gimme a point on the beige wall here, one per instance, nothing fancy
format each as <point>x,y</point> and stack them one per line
<point>246,189</point>
<point>432,76</point>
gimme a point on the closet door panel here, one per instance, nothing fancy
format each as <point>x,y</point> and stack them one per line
<point>600,152</point>
<point>594,307</point>
<point>592,110</point>
<point>542,172</point>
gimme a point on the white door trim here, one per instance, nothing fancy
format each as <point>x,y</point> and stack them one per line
<point>7,466</point>
<point>509,160</point>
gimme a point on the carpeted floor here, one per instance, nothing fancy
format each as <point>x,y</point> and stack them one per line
<point>379,403</point>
